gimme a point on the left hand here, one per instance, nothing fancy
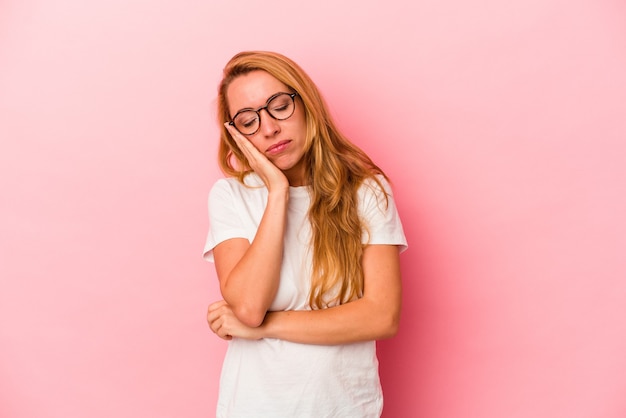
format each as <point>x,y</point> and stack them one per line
<point>226,325</point>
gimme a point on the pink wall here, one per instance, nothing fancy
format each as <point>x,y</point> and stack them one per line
<point>502,124</point>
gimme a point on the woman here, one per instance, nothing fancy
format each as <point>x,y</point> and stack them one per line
<point>305,238</point>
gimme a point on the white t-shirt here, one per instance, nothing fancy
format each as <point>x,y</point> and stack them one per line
<point>275,378</point>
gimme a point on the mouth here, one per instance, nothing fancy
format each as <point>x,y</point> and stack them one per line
<point>277,147</point>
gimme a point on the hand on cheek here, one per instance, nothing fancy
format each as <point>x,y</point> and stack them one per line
<point>271,175</point>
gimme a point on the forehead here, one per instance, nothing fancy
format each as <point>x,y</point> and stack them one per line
<point>252,90</point>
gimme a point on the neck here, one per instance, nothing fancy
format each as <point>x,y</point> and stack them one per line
<point>296,178</point>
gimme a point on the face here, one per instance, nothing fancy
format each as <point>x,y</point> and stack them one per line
<point>281,141</point>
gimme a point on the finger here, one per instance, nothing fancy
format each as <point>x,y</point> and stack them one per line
<point>214,315</point>
<point>216,305</point>
<point>240,140</point>
<point>219,328</point>
<point>210,318</point>
<point>244,144</point>
<point>216,325</point>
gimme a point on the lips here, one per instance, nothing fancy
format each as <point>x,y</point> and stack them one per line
<point>277,147</point>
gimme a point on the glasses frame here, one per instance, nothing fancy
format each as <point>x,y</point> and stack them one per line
<point>258,111</point>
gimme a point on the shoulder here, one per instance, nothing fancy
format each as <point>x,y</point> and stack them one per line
<point>379,213</point>
<point>231,185</point>
<point>375,187</point>
<point>230,192</point>
<point>375,198</point>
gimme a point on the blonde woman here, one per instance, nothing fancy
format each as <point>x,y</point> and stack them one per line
<point>305,238</point>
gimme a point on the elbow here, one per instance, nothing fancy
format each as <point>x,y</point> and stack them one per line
<point>393,330</point>
<point>389,326</point>
<point>249,311</point>
<point>249,316</point>
<point>389,331</point>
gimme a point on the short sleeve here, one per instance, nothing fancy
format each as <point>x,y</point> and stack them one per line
<point>224,218</point>
<point>378,211</point>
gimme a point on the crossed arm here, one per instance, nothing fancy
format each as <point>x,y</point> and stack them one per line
<point>374,316</point>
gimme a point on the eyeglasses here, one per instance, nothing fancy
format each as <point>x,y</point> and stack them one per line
<point>280,107</point>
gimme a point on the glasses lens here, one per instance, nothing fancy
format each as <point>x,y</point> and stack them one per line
<point>281,107</point>
<point>247,122</point>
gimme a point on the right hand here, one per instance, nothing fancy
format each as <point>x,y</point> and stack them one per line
<point>271,175</point>
<point>226,325</point>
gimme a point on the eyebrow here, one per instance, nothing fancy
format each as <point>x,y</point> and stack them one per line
<point>245,109</point>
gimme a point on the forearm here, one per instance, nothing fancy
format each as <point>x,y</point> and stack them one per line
<point>251,285</point>
<point>361,320</point>
<point>374,316</point>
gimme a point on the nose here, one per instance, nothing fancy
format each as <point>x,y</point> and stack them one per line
<point>268,125</point>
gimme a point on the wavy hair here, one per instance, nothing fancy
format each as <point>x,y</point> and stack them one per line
<point>336,169</point>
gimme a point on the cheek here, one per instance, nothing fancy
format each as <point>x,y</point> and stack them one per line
<point>256,142</point>
<point>299,123</point>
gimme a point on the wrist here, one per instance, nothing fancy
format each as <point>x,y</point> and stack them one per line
<point>266,329</point>
<point>278,197</point>
<point>278,191</point>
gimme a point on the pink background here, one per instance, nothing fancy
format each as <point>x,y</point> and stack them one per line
<point>502,125</point>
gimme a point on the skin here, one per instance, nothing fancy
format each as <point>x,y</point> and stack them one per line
<point>249,273</point>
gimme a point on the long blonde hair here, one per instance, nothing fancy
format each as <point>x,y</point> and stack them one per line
<point>336,169</point>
